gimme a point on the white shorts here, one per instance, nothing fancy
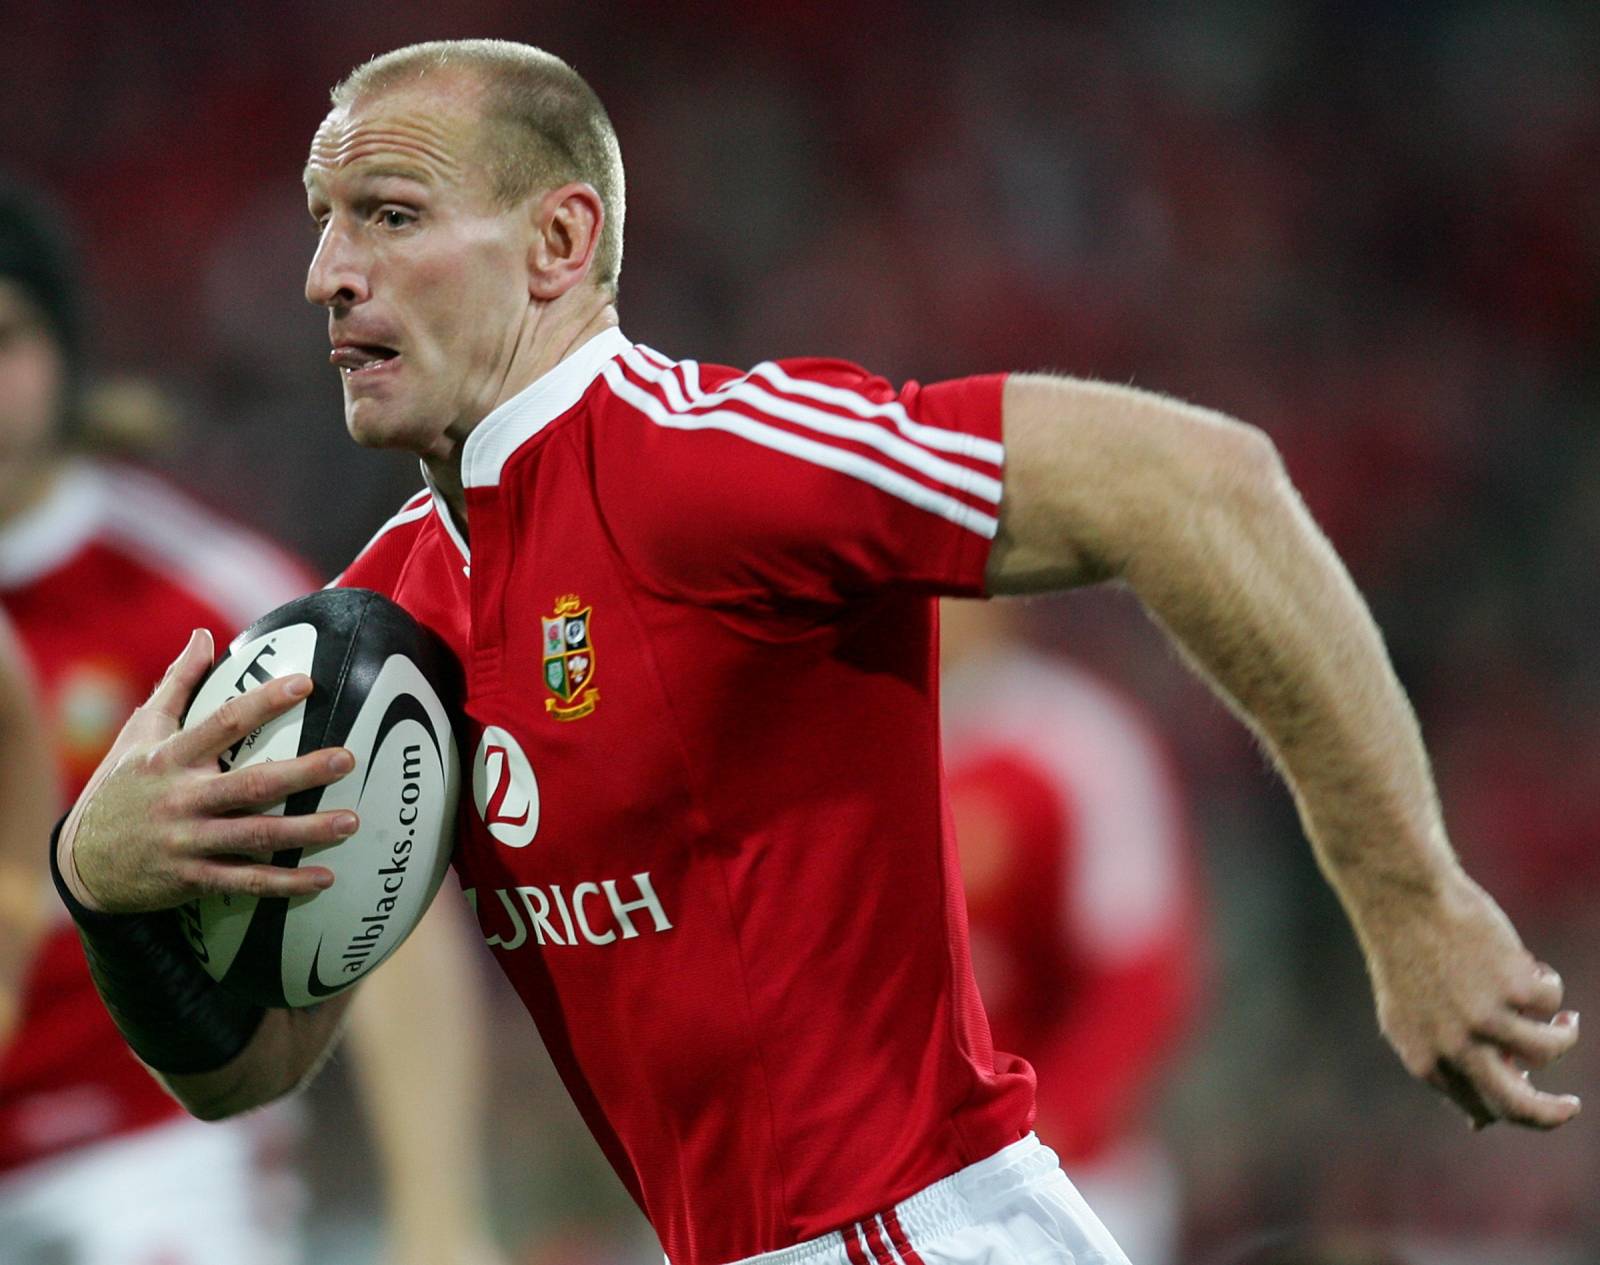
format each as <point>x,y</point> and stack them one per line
<point>1014,1208</point>
<point>183,1193</point>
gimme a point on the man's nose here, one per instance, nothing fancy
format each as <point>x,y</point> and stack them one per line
<point>338,273</point>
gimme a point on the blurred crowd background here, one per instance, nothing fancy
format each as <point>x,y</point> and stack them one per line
<point>1372,229</point>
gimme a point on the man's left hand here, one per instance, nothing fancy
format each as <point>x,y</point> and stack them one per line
<point>1466,1006</point>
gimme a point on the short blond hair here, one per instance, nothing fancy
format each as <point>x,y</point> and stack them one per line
<point>546,125</point>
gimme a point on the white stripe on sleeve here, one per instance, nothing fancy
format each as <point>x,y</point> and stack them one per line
<point>904,451</point>
<point>818,453</point>
<point>956,441</point>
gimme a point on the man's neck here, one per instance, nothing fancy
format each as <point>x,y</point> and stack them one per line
<point>445,475</point>
<point>556,337</point>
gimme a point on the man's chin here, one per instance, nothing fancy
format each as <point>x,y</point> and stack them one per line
<point>375,425</point>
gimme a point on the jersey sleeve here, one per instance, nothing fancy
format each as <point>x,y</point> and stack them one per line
<point>415,561</point>
<point>805,481</point>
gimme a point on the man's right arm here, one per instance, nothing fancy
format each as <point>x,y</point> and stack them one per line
<point>1194,512</point>
<point>159,824</point>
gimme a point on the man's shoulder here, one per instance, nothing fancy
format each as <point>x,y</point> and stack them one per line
<point>655,386</point>
<point>671,431</point>
<point>806,477</point>
<point>418,559</point>
<point>385,557</point>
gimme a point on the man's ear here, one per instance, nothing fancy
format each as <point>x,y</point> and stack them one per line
<point>567,224</point>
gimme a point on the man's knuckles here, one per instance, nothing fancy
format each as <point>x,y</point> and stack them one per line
<point>1453,1051</point>
<point>255,784</point>
<point>1421,1055</point>
<point>232,717</point>
<point>255,835</point>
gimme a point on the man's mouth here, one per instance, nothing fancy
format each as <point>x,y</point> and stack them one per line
<point>356,358</point>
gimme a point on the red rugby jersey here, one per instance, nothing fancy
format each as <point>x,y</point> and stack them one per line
<point>105,580</point>
<point>1082,889</point>
<point>707,840</point>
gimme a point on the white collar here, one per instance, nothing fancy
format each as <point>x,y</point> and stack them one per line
<point>44,537</point>
<point>492,441</point>
<point>524,415</point>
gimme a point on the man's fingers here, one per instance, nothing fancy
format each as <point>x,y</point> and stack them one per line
<point>1490,1088</point>
<point>1512,1095</point>
<point>1533,1042</point>
<point>259,786</point>
<point>1541,993</point>
<point>238,718</point>
<point>183,674</point>
<point>262,835</point>
<point>1455,1085</point>
<point>244,878</point>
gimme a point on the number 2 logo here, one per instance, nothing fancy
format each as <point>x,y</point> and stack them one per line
<point>504,789</point>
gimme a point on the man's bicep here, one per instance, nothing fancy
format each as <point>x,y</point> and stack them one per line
<point>1036,547</point>
<point>1095,474</point>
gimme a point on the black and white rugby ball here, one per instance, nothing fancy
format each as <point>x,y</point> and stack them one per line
<point>384,688</point>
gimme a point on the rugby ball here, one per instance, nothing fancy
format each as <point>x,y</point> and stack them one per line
<point>385,687</point>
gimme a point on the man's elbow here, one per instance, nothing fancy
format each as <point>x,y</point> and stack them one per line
<point>213,1110</point>
<point>283,1057</point>
<point>1255,456</point>
<point>1101,478</point>
<point>1223,455</point>
<point>1253,477</point>
<point>213,1096</point>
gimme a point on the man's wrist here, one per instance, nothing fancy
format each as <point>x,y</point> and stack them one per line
<point>1400,860</point>
<point>173,1015</point>
<point>64,865</point>
<point>74,892</point>
<point>1381,899</point>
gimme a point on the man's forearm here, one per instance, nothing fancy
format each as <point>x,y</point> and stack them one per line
<point>218,1054</point>
<point>1255,597</point>
<point>1195,513</point>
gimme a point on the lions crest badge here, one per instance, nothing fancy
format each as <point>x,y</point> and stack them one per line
<point>568,659</point>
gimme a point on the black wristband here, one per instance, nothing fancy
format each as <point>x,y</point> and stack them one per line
<point>176,1018</point>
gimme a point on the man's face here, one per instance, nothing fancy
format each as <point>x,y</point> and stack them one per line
<point>423,273</point>
<point>32,377</point>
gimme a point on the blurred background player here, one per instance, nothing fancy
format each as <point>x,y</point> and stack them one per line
<point>1077,855</point>
<point>102,567</point>
<point>28,802</point>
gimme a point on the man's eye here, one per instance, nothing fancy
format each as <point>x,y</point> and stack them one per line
<point>392,217</point>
